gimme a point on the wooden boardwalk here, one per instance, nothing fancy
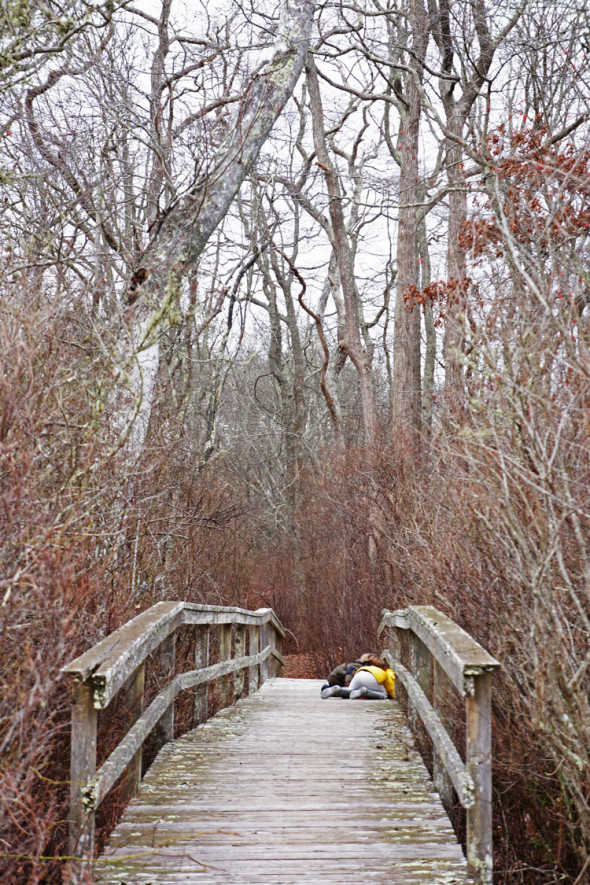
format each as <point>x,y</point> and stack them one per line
<point>285,788</point>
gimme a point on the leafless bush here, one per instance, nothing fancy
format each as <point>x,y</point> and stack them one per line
<point>88,539</point>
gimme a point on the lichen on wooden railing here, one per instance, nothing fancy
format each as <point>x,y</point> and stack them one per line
<point>428,651</point>
<point>118,662</point>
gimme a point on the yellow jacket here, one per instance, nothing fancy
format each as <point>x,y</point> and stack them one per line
<point>386,678</point>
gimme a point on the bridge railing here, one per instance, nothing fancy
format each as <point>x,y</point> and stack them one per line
<point>429,652</point>
<point>117,664</point>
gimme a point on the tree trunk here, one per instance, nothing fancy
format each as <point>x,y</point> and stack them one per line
<point>352,344</point>
<point>184,232</point>
<point>406,399</point>
<point>456,271</point>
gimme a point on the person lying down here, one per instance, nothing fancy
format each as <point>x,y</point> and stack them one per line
<point>372,680</point>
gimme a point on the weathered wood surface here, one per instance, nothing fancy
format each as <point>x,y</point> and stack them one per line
<point>460,656</point>
<point>445,748</point>
<point>118,662</point>
<point>111,663</point>
<point>287,789</point>
<point>469,668</point>
<point>130,746</point>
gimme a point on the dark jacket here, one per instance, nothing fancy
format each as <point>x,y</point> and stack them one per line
<point>343,673</point>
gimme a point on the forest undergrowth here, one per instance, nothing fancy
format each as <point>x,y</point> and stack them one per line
<point>295,312</point>
<point>486,519</point>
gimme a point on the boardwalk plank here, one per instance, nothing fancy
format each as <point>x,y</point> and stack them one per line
<point>287,789</point>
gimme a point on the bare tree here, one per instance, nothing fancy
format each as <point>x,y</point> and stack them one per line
<point>407,404</point>
<point>351,345</point>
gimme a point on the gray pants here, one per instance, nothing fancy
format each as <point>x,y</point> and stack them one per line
<point>364,679</point>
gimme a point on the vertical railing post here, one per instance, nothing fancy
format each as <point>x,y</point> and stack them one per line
<point>392,642</point>
<point>82,772</point>
<point>133,701</point>
<point>440,693</point>
<point>279,648</point>
<point>224,655</point>
<point>168,660</point>
<point>479,764</point>
<point>201,661</point>
<point>240,647</point>
<point>272,641</point>
<point>421,667</point>
<point>253,648</point>
<point>263,644</point>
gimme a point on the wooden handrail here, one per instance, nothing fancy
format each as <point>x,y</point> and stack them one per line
<point>438,646</point>
<point>119,662</point>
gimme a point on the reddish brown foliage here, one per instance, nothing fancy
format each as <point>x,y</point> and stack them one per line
<point>87,541</point>
<point>301,666</point>
<point>446,294</point>
<point>429,548</point>
<point>544,190</point>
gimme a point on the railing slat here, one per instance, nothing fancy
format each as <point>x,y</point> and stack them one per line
<point>113,767</point>
<point>240,648</point>
<point>201,661</point>
<point>263,644</point>
<point>102,671</point>
<point>469,668</point>
<point>453,763</point>
<point>460,656</point>
<point>224,655</point>
<point>254,672</point>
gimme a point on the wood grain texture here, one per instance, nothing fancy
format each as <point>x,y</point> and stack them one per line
<point>459,660</point>
<point>84,724</point>
<point>285,788</point>
<point>445,749</point>
<point>460,656</point>
<point>99,786</point>
<point>114,660</point>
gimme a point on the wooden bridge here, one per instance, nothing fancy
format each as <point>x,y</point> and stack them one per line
<point>282,787</point>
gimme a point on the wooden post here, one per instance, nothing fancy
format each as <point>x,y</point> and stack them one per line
<point>133,701</point>
<point>224,655</point>
<point>479,764</point>
<point>201,661</point>
<point>240,648</point>
<point>254,648</point>
<point>279,648</point>
<point>421,668</point>
<point>392,642</point>
<point>272,641</point>
<point>263,644</point>
<point>82,772</point>
<point>440,699</point>
<point>168,659</point>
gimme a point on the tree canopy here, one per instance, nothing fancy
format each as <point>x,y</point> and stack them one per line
<point>295,312</point>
